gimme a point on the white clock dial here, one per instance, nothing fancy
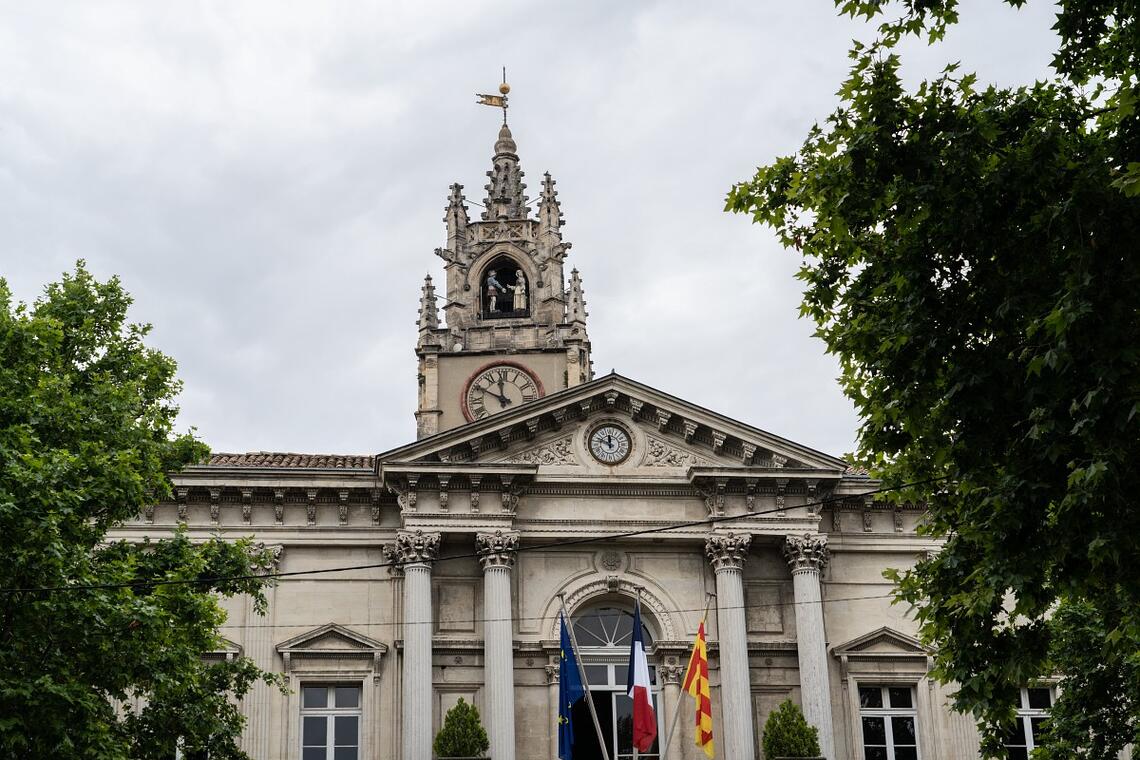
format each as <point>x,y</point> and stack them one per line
<point>609,444</point>
<point>497,389</point>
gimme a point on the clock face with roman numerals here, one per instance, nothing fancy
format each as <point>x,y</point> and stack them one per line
<point>498,388</point>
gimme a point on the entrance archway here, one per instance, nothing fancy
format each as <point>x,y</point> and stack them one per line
<point>604,630</point>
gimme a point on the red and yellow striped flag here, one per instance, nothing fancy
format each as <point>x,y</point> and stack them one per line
<point>697,684</point>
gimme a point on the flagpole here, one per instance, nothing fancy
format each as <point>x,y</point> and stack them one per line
<point>677,710</point>
<point>585,681</point>
<point>637,589</point>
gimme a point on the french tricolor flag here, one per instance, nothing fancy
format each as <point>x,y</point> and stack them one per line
<point>644,721</point>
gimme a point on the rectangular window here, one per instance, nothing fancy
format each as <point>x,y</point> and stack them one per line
<point>330,722</point>
<point>1032,709</point>
<point>889,722</point>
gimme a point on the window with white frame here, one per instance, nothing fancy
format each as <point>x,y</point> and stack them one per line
<point>1033,708</point>
<point>330,721</point>
<point>889,722</point>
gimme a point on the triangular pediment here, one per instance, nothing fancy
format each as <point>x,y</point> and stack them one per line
<point>882,641</point>
<point>331,638</point>
<point>673,435</point>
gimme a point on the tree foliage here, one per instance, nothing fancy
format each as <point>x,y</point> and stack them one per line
<point>787,733</point>
<point>462,734</point>
<point>971,256</point>
<point>104,670</point>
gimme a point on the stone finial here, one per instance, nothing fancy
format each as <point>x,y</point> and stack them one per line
<point>505,198</point>
<point>808,552</point>
<point>413,547</point>
<point>728,551</point>
<point>550,218</point>
<point>429,310</point>
<point>497,549</point>
<point>455,217</point>
<point>576,306</point>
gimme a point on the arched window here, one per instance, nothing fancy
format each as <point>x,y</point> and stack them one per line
<point>604,631</point>
<point>504,290</point>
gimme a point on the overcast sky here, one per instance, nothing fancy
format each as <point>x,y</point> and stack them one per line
<point>268,179</point>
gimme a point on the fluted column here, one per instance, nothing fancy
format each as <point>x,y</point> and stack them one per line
<point>497,553</point>
<point>552,695</point>
<point>415,551</point>
<point>807,555</point>
<point>670,676</point>
<point>727,552</point>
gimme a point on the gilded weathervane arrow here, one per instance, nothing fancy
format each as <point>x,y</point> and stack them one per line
<point>498,101</point>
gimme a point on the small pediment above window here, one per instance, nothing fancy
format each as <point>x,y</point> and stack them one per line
<point>883,642</point>
<point>332,641</point>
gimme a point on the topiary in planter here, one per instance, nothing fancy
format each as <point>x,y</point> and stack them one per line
<point>462,734</point>
<point>787,734</point>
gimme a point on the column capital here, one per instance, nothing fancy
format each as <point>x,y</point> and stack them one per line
<point>670,674</point>
<point>552,675</point>
<point>412,547</point>
<point>267,557</point>
<point>497,549</point>
<point>806,552</point>
<point>727,551</point>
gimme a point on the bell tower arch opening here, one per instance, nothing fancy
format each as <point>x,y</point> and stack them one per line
<point>505,290</point>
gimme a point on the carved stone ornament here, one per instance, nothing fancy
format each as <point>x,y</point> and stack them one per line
<point>148,513</point>
<point>560,451</point>
<point>413,547</point>
<point>611,560</point>
<point>270,562</point>
<point>670,674</point>
<point>497,549</point>
<point>728,551</point>
<point>806,552</point>
<point>552,675</point>
<point>661,454</point>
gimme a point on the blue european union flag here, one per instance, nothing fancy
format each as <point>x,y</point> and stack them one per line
<point>570,690</point>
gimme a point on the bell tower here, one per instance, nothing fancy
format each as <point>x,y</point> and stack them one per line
<point>514,330</point>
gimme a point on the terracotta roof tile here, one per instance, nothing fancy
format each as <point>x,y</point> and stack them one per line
<point>285,459</point>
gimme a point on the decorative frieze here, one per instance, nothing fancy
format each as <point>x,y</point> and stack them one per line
<point>661,454</point>
<point>560,451</point>
<point>497,549</point>
<point>808,552</point>
<point>728,551</point>
<point>411,547</point>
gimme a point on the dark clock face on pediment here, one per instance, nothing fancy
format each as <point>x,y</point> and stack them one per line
<point>499,387</point>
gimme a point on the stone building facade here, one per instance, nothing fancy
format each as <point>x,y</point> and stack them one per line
<point>437,570</point>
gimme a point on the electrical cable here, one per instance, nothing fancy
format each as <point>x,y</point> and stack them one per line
<point>711,520</point>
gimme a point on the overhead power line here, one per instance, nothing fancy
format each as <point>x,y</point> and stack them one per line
<point>712,520</point>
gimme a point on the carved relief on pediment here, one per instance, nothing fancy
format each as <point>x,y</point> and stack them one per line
<point>557,452</point>
<point>661,454</point>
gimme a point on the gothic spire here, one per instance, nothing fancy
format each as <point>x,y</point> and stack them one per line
<point>429,312</point>
<point>505,197</point>
<point>576,307</point>
<point>549,209</point>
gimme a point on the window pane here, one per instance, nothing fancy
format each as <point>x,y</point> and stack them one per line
<point>345,753</point>
<point>314,696</point>
<point>345,734</point>
<point>874,731</point>
<point>900,697</point>
<point>1038,728</point>
<point>597,675</point>
<point>870,696</point>
<point>1015,735</point>
<point>313,733</point>
<point>623,706</point>
<point>903,730</point>
<point>313,753</point>
<point>906,753</point>
<point>348,696</point>
<point>875,753</point>
<point>1039,699</point>
<point>1016,753</point>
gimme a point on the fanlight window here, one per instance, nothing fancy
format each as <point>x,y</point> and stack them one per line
<point>608,627</point>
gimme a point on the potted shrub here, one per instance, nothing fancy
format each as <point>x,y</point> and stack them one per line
<point>788,735</point>
<point>462,735</point>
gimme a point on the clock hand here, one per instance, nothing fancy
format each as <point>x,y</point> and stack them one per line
<point>503,400</point>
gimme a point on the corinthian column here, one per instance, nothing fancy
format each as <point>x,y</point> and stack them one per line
<point>497,553</point>
<point>727,553</point>
<point>415,553</point>
<point>807,555</point>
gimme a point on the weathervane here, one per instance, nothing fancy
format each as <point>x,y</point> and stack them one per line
<point>498,101</point>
